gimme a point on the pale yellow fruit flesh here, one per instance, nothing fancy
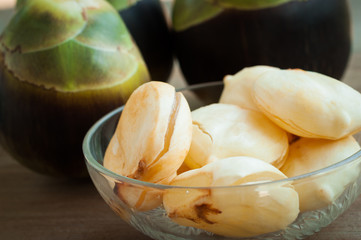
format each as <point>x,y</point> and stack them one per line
<point>238,88</point>
<point>151,140</point>
<point>308,104</point>
<point>236,212</point>
<point>240,141</point>
<point>225,130</point>
<point>308,155</point>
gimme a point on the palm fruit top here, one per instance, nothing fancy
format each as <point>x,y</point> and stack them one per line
<point>69,45</point>
<point>186,10</point>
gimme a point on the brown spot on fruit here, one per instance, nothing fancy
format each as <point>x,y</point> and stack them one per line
<point>84,15</point>
<point>140,170</point>
<point>203,210</point>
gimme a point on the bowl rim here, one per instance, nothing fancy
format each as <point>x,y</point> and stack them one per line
<point>90,160</point>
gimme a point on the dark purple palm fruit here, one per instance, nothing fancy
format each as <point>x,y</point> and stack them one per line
<point>215,38</point>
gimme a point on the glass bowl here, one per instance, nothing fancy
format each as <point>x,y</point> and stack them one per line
<point>155,222</point>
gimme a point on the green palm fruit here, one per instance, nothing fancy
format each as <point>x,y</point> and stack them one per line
<point>63,64</point>
<point>146,22</point>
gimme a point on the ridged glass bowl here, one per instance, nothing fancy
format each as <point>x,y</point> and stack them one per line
<point>155,222</point>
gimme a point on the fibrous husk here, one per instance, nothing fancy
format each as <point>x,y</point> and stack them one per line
<point>71,46</point>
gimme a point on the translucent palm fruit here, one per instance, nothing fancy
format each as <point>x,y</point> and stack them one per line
<point>151,140</point>
<point>226,130</point>
<point>238,88</point>
<point>307,155</point>
<point>238,211</point>
<point>309,104</point>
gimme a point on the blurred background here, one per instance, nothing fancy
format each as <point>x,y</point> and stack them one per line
<point>6,11</point>
<point>176,78</point>
<point>356,17</point>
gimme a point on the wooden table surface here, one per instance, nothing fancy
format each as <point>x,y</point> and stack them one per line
<point>35,207</point>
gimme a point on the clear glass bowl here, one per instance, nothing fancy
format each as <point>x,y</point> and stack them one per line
<point>156,223</point>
